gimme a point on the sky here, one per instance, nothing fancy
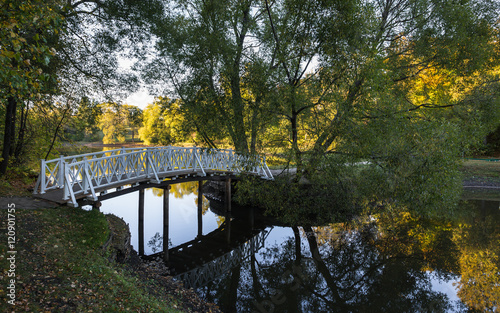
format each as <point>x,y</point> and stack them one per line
<point>140,98</point>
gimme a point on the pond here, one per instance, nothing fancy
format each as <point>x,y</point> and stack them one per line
<point>390,262</point>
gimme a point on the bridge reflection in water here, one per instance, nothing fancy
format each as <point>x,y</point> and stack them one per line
<point>200,261</point>
<point>392,264</point>
<point>230,237</point>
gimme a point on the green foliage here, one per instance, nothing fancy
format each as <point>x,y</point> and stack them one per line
<point>83,125</point>
<point>116,120</point>
<point>27,30</point>
<point>414,163</point>
<point>164,123</point>
<point>301,203</point>
<point>406,86</point>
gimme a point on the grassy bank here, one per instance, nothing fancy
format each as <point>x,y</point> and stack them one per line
<point>485,170</point>
<point>61,266</point>
<point>481,179</point>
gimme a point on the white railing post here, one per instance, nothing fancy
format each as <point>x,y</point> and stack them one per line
<point>193,159</point>
<point>153,168</point>
<point>121,166</point>
<point>146,159</point>
<point>43,182</point>
<point>60,174</point>
<point>169,158</point>
<point>41,178</point>
<point>84,172</point>
<point>66,182</point>
<point>267,170</point>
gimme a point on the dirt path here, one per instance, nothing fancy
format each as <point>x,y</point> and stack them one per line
<point>26,203</point>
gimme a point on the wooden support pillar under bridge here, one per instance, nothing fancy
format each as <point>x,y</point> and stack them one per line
<point>141,222</point>
<point>228,208</point>
<point>166,208</point>
<point>200,208</point>
<point>166,196</point>
<point>228,194</point>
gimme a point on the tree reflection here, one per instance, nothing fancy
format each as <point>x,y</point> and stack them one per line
<point>156,243</point>
<point>388,263</point>
<point>183,189</point>
<point>478,240</point>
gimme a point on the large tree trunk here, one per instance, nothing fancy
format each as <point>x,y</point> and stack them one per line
<point>239,137</point>
<point>21,134</point>
<point>334,129</point>
<point>9,133</point>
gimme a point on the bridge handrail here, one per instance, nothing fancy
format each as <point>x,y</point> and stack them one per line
<point>101,169</point>
<point>52,170</point>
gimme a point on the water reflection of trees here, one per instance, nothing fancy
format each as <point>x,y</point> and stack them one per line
<point>384,265</point>
<point>478,240</point>
<point>156,243</point>
<point>179,191</point>
<point>183,189</point>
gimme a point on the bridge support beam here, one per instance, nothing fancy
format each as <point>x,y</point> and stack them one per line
<point>228,209</point>
<point>96,205</point>
<point>141,222</point>
<point>200,208</point>
<point>228,227</point>
<point>166,196</point>
<point>228,194</point>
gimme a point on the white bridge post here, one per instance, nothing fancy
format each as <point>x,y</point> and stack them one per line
<point>60,179</point>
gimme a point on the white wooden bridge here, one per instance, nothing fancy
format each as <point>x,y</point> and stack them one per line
<point>67,179</point>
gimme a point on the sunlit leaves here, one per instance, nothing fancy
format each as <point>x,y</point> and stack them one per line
<point>164,123</point>
<point>480,282</point>
<point>113,123</point>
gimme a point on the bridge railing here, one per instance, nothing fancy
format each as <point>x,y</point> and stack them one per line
<point>52,171</point>
<point>82,174</point>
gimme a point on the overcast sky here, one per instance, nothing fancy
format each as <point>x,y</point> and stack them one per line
<point>141,98</point>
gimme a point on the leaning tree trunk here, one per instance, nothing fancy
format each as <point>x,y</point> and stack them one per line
<point>9,133</point>
<point>20,143</point>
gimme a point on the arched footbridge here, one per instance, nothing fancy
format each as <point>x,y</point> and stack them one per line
<point>67,179</point>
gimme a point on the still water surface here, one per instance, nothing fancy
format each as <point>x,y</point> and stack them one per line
<point>390,263</point>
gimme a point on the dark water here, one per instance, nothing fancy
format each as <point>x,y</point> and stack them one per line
<point>383,263</point>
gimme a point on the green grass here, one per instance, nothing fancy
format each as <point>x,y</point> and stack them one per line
<point>486,173</point>
<point>481,168</point>
<point>61,266</point>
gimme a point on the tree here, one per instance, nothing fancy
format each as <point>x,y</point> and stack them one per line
<point>134,117</point>
<point>204,52</point>
<point>164,123</point>
<point>113,123</point>
<point>55,52</point>
<point>28,28</point>
<point>341,82</point>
